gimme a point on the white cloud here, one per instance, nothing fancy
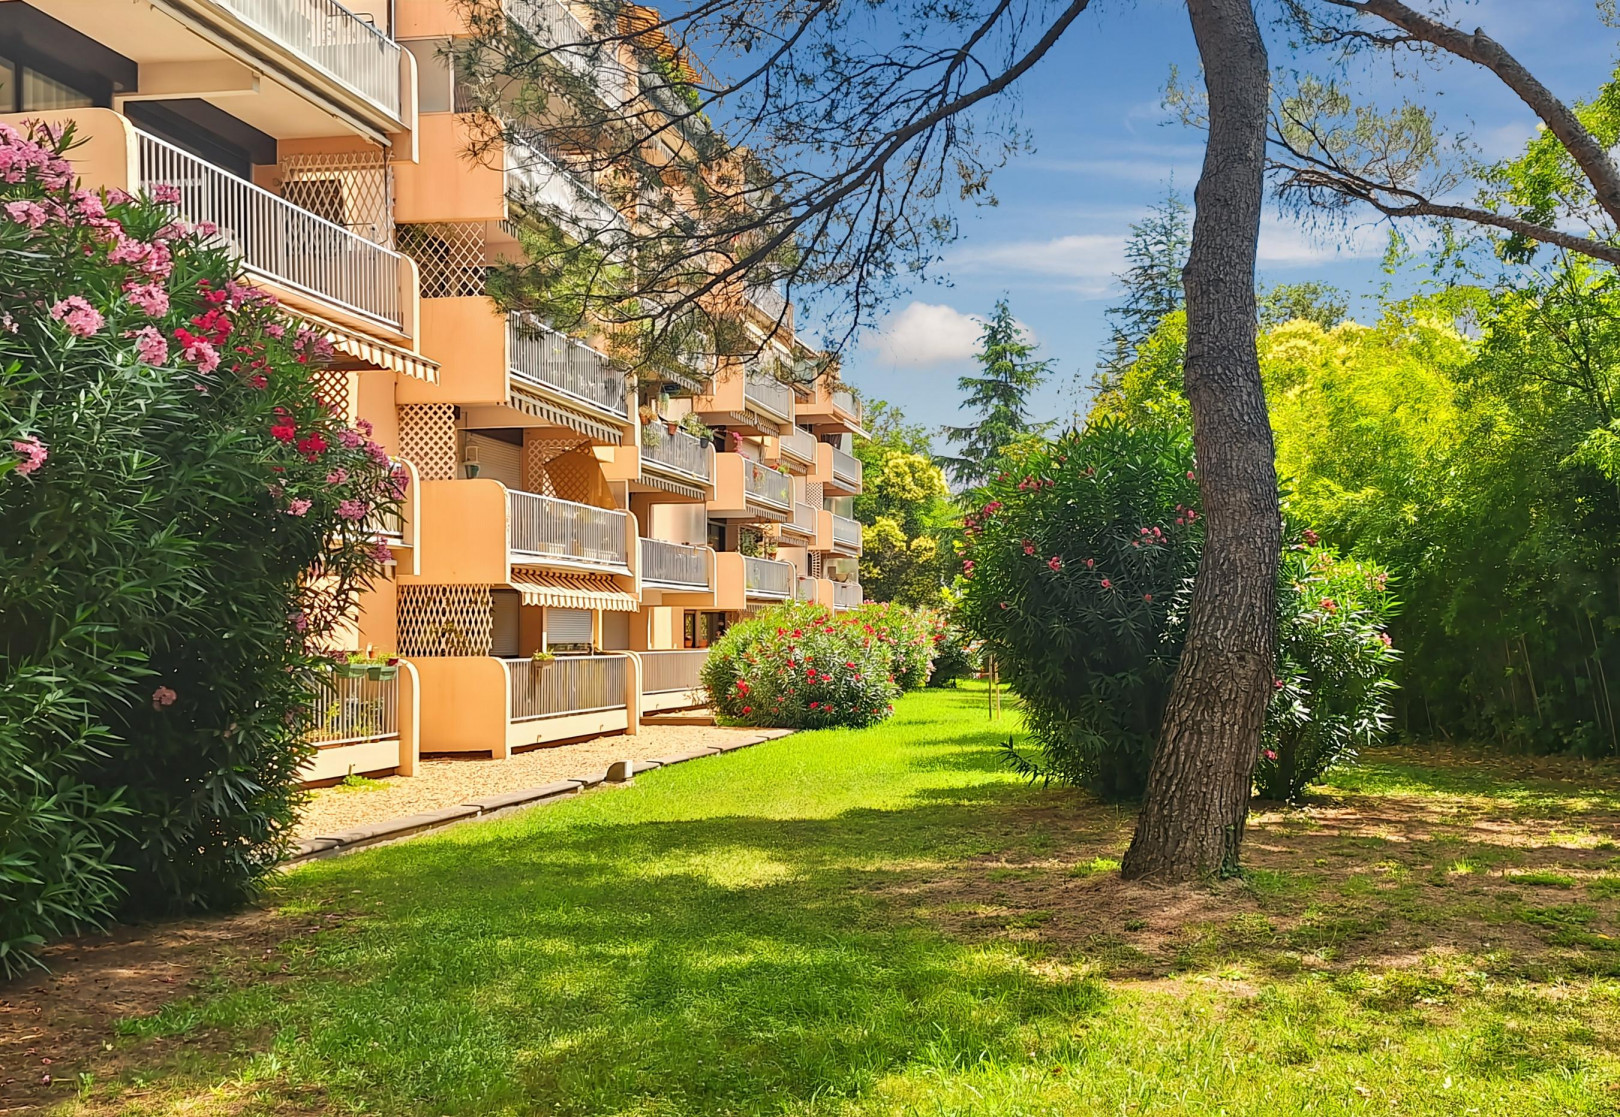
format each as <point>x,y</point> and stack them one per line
<point>924,334</point>
<point>1286,243</point>
<point>1087,262</point>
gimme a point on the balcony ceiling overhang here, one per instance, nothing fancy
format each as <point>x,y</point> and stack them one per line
<point>669,485</point>
<point>573,591</point>
<point>532,407</point>
<point>184,50</point>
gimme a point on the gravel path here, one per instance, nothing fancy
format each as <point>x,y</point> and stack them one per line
<point>448,783</point>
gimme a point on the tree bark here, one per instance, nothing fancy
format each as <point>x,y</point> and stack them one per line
<point>1199,785</point>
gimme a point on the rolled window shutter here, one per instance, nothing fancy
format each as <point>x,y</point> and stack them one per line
<point>568,626</point>
<point>503,637</point>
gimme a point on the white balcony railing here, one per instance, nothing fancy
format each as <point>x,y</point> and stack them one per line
<point>327,34</point>
<point>663,672</point>
<point>541,355</point>
<point>768,578</point>
<point>846,595</point>
<point>846,402</point>
<point>768,394</point>
<point>846,532</point>
<point>674,565</point>
<point>799,445</point>
<point>677,451</point>
<point>771,302</point>
<point>765,485</point>
<point>846,467</point>
<point>276,240</point>
<point>803,521</point>
<point>804,589</point>
<point>347,709</point>
<point>555,27</point>
<point>535,177</point>
<point>546,528</point>
<point>578,684</point>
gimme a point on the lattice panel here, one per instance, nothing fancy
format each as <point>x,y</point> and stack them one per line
<point>813,494</point>
<point>451,257</point>
<point>445,620</point>
<point>577,476</point>
<point>332,387</point>
<point>427,437</point>
<point>350,188</point>
<point>816,565</point>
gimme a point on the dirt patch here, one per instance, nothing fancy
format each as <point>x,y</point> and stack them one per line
<point>58,1025</point>
<point>1376,881</point>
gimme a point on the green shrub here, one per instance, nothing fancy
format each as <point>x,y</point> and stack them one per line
<point>1333,668</point>
<point>1076,563</point>
<point>910,634</point>
<point>801,667</point>
<point>955,658</point>
<point>169,480</point>
<point>1077,575</point>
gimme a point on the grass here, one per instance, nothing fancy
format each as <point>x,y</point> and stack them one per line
<point>887,922</point>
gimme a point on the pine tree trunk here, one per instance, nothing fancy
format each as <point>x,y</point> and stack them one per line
<point>1197,797</point>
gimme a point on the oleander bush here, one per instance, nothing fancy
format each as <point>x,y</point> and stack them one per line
<point>912,635</point>
<point>802,666</point>
<point>185,521</point>
<point>1077,576</point>
<point>1334,666</point>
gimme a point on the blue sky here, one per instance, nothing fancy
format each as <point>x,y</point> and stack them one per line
<point>1104,154</point>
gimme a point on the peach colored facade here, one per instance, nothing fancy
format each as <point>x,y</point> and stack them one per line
<point>567,549</point>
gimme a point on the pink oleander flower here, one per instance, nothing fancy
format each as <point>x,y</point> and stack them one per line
<point>382,554</point>
<point>276,330</point>
<point>1055,563</point>
<point>300,622</point>
<point>165,193</point>
<point>31,454</point>
<point>80,318</point>
<point>1107,585</point>
<point>352,509</point>
<point>350,438</point>
<point>163,697</point>
<point>364,427</point>
<point>337,477</point>
<point>377,453</point>
<point>27,213</point>
<point>88,203</point>
<point>200,353</point>
<point>150,346</point>
<point>1271,754</point>
<point>150,297</point>
<point>297,506</point>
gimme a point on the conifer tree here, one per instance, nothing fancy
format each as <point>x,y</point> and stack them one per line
<point>999,397</point>
<point>1155,253</point>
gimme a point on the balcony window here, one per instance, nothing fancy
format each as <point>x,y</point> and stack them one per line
<point>701,629</point>
<point>435,74</point>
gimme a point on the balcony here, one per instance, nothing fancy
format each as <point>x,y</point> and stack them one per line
<point>837,471</point>
<point>803,523</point>
<point>804,588</point>
<point>583,684</point>
<point>769,395</point>
<point>771,303</point>
<point>831,410</point>
<point>543,530</point>
<point>745,489</point>
<point>551,359</point>
<point>334,39</point>
<point>545,181</point>
<point>796,447</point>
<point>288,247</point>
<point>676,566</point>
<point>676,452</point>
<point>846,595</point>
<point>768,579</point>
<point>672,679</point>
<point>574,45</point>
<point>361,724</point>
<point>846,534</point>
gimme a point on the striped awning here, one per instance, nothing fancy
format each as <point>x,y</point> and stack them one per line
<point>573,591</point>
<point>690,492</point>
<point>590,427</point>
<point>357,351</point>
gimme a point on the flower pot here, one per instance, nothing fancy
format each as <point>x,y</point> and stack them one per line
<point>375,674</point>
<point>383,673</point>
<point>349,670</point>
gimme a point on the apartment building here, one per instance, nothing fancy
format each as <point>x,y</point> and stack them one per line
<point>569,548</point>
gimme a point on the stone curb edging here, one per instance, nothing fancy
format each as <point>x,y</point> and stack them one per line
<point>394,829</point>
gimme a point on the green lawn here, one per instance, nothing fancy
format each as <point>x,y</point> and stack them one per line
<point>887,922</point>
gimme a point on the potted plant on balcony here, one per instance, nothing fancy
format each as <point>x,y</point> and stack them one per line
<point>371,666</point>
